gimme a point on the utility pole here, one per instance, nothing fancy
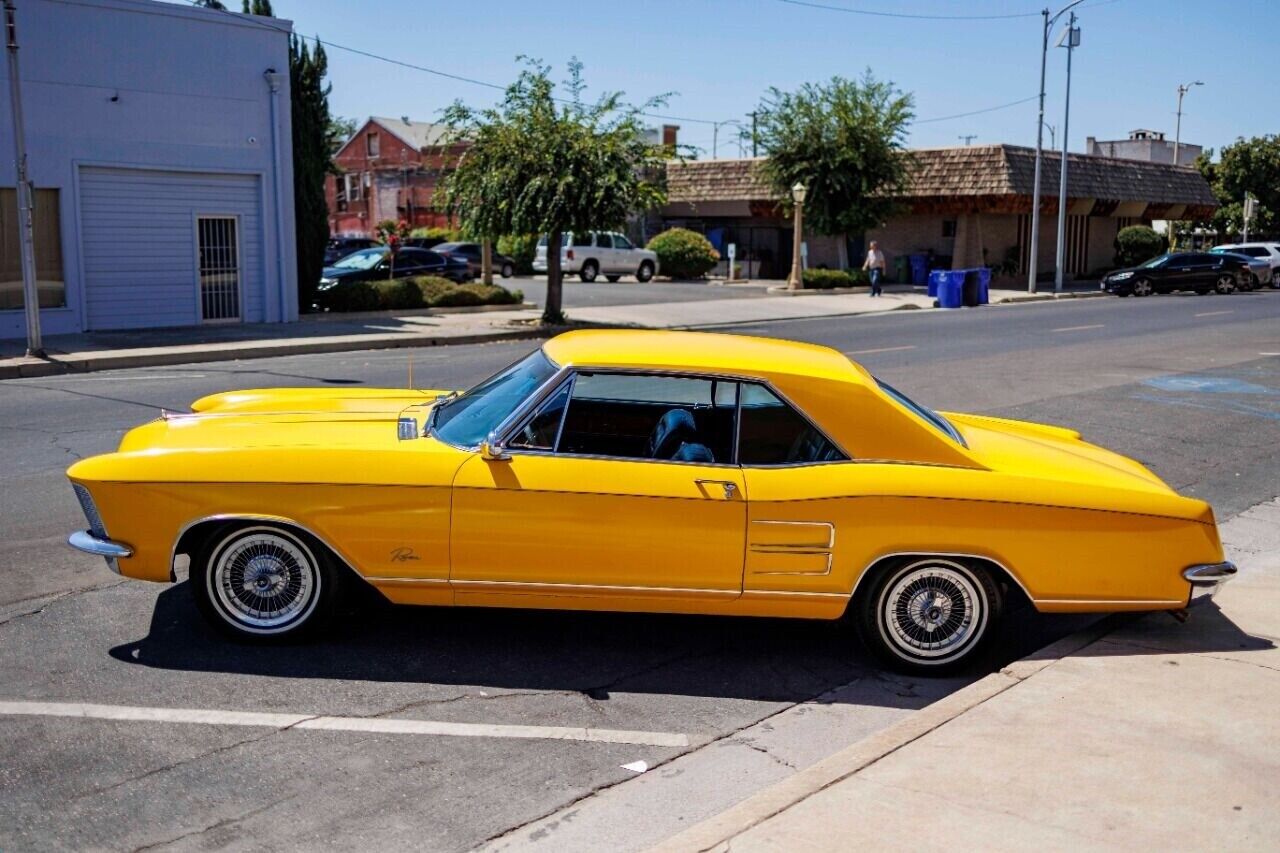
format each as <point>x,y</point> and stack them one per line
<point>754,145</point>
<point>1069,39</point>
<point>1177,129</point>
<point>1034,256</point>
<point>968,138</point>
<point>26,232</point>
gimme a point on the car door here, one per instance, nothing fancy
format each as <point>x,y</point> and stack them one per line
<point>624,255</point>
<point>604,251</point>
<point>1201,270</point>
<point>619,486</point>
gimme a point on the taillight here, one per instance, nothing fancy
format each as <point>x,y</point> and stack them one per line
<point>569,254</point>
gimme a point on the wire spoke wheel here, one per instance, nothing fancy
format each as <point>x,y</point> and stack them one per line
<point>932,612</point>
<point>263,580</point>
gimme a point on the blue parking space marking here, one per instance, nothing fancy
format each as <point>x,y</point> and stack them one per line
<point>1208,384</point>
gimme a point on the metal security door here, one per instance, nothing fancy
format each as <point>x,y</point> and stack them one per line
<point>217,240</point>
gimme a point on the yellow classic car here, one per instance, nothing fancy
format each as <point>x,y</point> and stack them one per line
<point>645,471</point>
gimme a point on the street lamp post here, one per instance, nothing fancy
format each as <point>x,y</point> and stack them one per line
<point>1033,258</point>
<point>1177,130</point>
<point>798,192</point>
<point>26,231</point>
<point>1069,40</point>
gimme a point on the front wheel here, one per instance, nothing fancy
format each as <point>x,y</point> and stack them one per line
<point>1142,287</point>
<point>508,270</point>
<point>645,272</point>
<point>928,615</point>
<point>264,583</point>
<point>590,269</point>
<point>1225,284</point>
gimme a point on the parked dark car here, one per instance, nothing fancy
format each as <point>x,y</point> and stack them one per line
<point>470,252</point>
<point>375,265</point>
<point>1199,271</point>
<point>339,247</point>
<point>422,242</point>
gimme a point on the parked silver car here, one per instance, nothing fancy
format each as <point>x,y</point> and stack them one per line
<point>592,253</point>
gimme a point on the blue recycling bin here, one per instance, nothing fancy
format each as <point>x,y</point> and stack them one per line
<point>951,289</point>
<point>935,278</point>
<point>984,285</point>
<point>919,269</point>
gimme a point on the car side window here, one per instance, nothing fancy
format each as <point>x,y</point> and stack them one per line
<point>604,241</point>
<point>771,432</point>
<point>620,242</point>
<point>582,239</point>
<point>542,430</point>
<point>649,416</point>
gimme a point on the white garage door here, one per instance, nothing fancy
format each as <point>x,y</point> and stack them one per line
<point>170,248</point>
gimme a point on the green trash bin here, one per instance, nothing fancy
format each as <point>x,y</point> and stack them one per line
<point>902,269</point>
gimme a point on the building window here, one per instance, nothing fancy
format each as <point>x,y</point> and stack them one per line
<point>372,145</point>
<point>219,247</point>
<point>46,219</point>
<point>948,228</point>
<point>351,183</point>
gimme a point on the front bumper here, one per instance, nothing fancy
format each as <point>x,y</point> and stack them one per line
<point>84,540</point>
<point>1206,579</point>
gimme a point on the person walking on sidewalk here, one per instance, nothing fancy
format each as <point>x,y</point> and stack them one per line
<point>874,265</point>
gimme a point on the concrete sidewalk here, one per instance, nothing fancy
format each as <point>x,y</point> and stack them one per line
<point>1143,732</point>
<point>92,351</point>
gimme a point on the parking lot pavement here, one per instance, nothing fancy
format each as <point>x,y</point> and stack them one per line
<point>450,728</point>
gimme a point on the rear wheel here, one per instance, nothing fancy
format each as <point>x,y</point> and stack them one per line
<point>1225,284</point>
<point>264,583</point>
<point>928,615</point>
<point>1142,287</point>
<point>590,269</point>
<point>508,270</point>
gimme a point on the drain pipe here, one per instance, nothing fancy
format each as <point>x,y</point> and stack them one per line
<point>273,78</point>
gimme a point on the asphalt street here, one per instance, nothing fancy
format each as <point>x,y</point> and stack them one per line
<point>715,708</point>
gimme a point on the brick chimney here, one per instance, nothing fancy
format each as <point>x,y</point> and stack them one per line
<point>669,132</point>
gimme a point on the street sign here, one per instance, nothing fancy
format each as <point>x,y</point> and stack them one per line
<point>733,253</point>
<point>804,256</point>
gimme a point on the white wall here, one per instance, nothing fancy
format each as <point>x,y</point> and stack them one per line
<point>135,83</point>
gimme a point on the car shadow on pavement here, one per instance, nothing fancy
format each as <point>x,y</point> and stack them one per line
<point>593,653</point>
<point>1207,630</point>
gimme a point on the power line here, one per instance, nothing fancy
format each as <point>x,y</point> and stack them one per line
<point>976,112</point>
<point>907,15</point>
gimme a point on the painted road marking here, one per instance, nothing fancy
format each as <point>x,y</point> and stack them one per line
<point>881,349</point>
<point>1079,328</point>
<point>1212,313</point>
<point>383,725</point>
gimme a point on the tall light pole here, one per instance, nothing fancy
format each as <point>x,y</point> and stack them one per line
<point>1177,131</point>
<point>715,135</point>
<point>796,281</point>
<point>1070,39</point>
<point>26,232</point>
<point>1035,194</point>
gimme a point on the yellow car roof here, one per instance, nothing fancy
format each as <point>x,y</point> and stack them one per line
<point>700,352</point>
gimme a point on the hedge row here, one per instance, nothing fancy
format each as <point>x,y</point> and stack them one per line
<point>417,292</point>
<point>828,279</point>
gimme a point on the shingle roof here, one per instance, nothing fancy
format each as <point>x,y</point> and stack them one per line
<point>419,134</point>
<point>973,170</point>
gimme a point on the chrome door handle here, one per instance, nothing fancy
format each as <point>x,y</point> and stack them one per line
<point>729,486</point>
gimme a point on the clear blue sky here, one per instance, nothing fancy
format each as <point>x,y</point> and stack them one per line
<point>719,56</point>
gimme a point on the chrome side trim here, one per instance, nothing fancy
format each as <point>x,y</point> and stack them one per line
<point>1206,579</point>
<point>585,589</point>
<point>1007,571</point>
<point>826,548</point>
<point>393,581</point>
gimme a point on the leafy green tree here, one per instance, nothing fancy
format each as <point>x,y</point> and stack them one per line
<point>338,132</point>
<point>211,4</point>
<point>845,141</point>
<point>1247,165</point>
<point>540,164</point>
<point>258,7</point>
<point>312,160</point>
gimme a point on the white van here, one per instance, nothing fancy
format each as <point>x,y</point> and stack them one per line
<point>593,253</point>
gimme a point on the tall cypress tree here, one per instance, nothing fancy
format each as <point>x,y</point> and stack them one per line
<point>311,161</point>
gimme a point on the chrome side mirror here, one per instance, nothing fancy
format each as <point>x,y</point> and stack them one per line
<point>493,450</point>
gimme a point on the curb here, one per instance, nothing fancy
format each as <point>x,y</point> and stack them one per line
<point>717,832</point>
<point>88,363</point>
<point>338,316</point>
<point>1049,297</point>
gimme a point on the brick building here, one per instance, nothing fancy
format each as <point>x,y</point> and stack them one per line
<point>971,204</point>
<point>390,169</point>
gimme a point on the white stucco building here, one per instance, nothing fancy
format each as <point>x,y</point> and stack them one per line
<point>158,140</point>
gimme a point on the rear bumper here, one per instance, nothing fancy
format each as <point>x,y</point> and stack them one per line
<point>1206,579</point>
<point>83,540</point>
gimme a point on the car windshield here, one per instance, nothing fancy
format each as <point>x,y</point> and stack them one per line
<point>365,259</point>
<point>934,419</point>
<point>465,421</point>
<point>1155,262</point>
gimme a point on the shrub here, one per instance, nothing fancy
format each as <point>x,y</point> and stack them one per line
<point>826,279</point>
<point>1136,244</point>
<point>439,292</point>
<point>683,253</point>
<point>349,296</point>
<point>492,294</point>
<point>399,293</point>
<point>432,287</point>
<point>520,248</point>
<point>443,235</point>
<point>457,298</point>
